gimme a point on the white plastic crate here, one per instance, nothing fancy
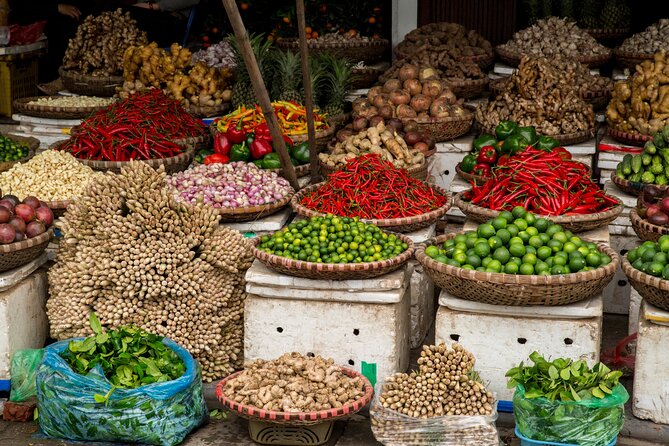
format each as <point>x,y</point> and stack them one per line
<point>422,310</point>
<point>651,371</point>
<point>617,292</point>
<point>351,321</point>
<point>23,320</point>
<point>264,225</point>
<point>502,336</point>
<point>634,311</point>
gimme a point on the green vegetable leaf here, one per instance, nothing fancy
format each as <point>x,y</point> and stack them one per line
<point>564,374</point>
<point>605,389</point>
<point>552,372</point>
<point>596,392</point>
<point>95,323</point>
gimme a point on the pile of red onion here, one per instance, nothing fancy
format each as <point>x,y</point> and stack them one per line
<point>230,185</point>
<point>22,220</point>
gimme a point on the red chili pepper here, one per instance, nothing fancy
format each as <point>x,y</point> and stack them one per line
<point>217,158</point>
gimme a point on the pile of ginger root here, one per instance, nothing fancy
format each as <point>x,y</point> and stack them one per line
<point>173,71</point>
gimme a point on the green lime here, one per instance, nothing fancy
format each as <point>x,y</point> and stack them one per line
<point>524,236</point>
<point>518,212</point>
<point>530,219</point>
<point>460,257</point>
<point>520,223</point>
<point>544,252</point>
<point>648,255</point>
<point>480,268</point>
<point>536,241</point>
<point>453,263</point>
<point>552,229</point>
<point>559,261</point>
<point>549,261</point>
<point>470,252</point>
<point>569,247</point>
<point>575,255</point>
<point>665,273</point>
<point>485,261</point>
<point>632,255</point>
<point>541,267</point>
<point>486,230</point>
<point>432,251</point>
<point>663,243</point>
<point>516,260</point>
<point>462,246</point>
<point>471,241</point>
<point>447,243</point>
<point>495,242</point>
<point>505,235</point>
<point>656,269</point>
<point>474,261</point>
<point>541,224</point>
<point>526,269</point>
<point>517,249</point>
<point>513,230</point>
<point>660,257</point>
<point>594,260</point>
<point>482,249</point>
<point>494,266</point>
<point>499,223</point>
<point>545,238</point>
<point>530,259</point>
<point>593,247</point>
<point>555,245</point>
<point>467,267</point>
<point>502,254</point>
<point>516,241</point>
<point>531,249</point>
<point>532,231</point>
<point>560,237</point>
<point>638,264</point>
<point>460,238</point>
<point>511,268</point>
<point>605,259</point>
<point>576,264</point>
<point>558,269</point>
<point>508,216</point>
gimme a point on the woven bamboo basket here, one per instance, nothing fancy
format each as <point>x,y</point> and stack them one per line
<point>470,177</point>
<point>300,171</point>
<point>58,207</point>
<point>206,111</point>
<point>573,223</point>
<point>443,129</point>
<point>355,51</point>
<point>482,60</point>
<point>17,254</point>
<point>635,139</point>
<point>322,137</point>
<point>468,89</point>
<point>514,289</point>
<point>654,289</point>
<point>407,224</point>
<point>513,59</point>
<point>631,187</point>
<point>334,271</point>
<point>418,172</point>
<point>607,34</point>
<point>251,213</point>
<point>365,77</point>
<point>32,143</point>
<point>104,86</point>
<point>645,229</point>
<point>599,99</point>
<point>629,59</point>
<point>24,107</point>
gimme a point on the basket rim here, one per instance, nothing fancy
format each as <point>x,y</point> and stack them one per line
<point>594,60</point>
<point>27,243</point>
<point>462,174</point>
<point>625,183</point>
<point>640,137</point>
<point>89,77</point>
<point>636,220</point>
<point>309,417</point>
<point>462,204</point>
<point>292,42</point>
<point>640,276</point>
<point>467,82</point>
<point>59,204</point>
<point>468,116</point>
<point>516,279</point>
<point>619,52</point>
<point>304,211</point>
<point>24,103</point>
<point>118,164</point>
<point>401,258</point>
<point>250,210</point>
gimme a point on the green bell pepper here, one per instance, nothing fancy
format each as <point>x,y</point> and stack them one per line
<point>484,140</point>
<point>514,144</point>
<point>300,152</point>
<point>240,152</point>
<point>505,128</point>
<point>271,161</point>
<point>546,143</point>
<point>467,164</point>
<point>529,132</point>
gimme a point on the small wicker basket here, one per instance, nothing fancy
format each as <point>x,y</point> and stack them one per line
<point>17,254</point>
<point>32,143</point>
<point>443,129</point>
<point>353,50</point>
<point>645,229</point>
<point>514,289</point>
<point>631,187</point>
<point>104,86</point>
<point>635,139</point>
<point>629,59</point>
<point>654,289</point>
<point>513,59</point>
<point>471,88</point>
<point>25,107</point>
<point>470,177</point>
<point>251,213</point>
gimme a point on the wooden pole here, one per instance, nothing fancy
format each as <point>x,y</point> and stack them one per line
<point>306,82</point>
<point>261,91</point>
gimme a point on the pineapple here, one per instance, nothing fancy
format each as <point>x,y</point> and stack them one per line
<point>532,7</point>
<point>286,84</point>
<point>567,8</point>
<point>317,71</point>
<point>338,79</point>
<point>546,8</point>
<point>589,14</point>
<point>615,14</point>
<point>242,92</point>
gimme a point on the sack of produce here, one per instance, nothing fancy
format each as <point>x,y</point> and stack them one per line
<point>566,401</point>
<point>406,412</point>
<point>23,371</point>
<point>123,385</point>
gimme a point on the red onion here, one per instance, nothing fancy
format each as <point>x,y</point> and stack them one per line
<point>7,234</point>
<point>230,185</point>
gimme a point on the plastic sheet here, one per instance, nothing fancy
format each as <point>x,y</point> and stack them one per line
<point>157,414</point>
<point>592,422</point>
<point>393,428</point>
<point>23,371</point>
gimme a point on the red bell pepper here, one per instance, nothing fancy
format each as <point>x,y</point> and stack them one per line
<point>287,140</point>
<point>260,148</point>
<point>262,131</point>
<point>481,169</point>
<point>222,144</point>
<point>487,155</point>
<point>217,158</point>
<point>236,133</point>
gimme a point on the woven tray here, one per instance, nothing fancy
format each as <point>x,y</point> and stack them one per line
<point>407,224</point>
<point>353,50</point>
<point>470,177</point>
<point>250,213</point>
<point>333,271</point>
<point>513,289</point>
<point>635,139</point>
<point>629,59</point>
<point>296,418</point>
<point>468,89</point>
<point>573,223</point>
<point>19,253</point>
<point>645,229</point>
<point>513,59</point>
<point>654,289</point>
<point>32,143</point>
<point>632,188</point>
<point>24,107</point>
<point>365,77</point>
<point>90,85</point>
<point>418,172</point>
<point>443,129</point>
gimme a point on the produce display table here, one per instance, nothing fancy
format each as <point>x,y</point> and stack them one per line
<point>361,324</point>
<point>651,372</point>
<point>502,336</point>
<point>264,225</point>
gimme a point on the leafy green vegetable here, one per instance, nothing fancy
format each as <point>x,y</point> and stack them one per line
<point>129,357</point>
<point>563,379</point>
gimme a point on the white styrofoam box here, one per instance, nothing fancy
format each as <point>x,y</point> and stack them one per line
<point>34,120</point>
<point>443,168</point>
<point>585,159</point>
<point>270,223</point>
<point>628,200</point>
<point>23,320</point>
<point>459,185</point>
<point>600,235</point>
<point>582,148</point>
<point>634,310</point>
<point>620,74</point>
<point>626,231</point>
<point>351,321</point>
<point>422,309</point>
<point>500,337</point>
<point>617,292</point>
<point>12,277</point>
<point>503,69</point>
<point>422,235</point>
<point>651,371</point>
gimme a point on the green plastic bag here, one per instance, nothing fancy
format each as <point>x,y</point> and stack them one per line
<point>592,422</point>
<point>23,371</point>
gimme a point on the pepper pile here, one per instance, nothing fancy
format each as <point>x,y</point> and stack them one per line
<point>141,127</point>
<point>509,139</point>
<point>546,183</point>
<point>292,118</point>
<point>369,187</point>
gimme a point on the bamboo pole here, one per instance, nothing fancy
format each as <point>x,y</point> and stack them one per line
<point>306,82</point>
<point>261,91</point>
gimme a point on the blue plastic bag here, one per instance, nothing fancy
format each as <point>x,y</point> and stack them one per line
<point>157,414</point>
